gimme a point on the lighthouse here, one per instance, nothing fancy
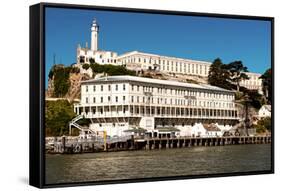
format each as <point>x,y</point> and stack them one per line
<point>94,35</point>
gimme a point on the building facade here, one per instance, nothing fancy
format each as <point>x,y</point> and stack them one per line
<point>116,104</point>
<point>253,83</point>
<point>144,61</point>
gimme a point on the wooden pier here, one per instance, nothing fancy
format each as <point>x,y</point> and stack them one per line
<point>137,143</point>
<point>156,143</point>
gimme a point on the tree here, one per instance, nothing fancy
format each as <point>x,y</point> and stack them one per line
<point>256,99</point>
<point>58,114</point>
<point>61,81</point>
<point>218,75</point>
<point>267,84</point>
<point>85,66</point>
<point>237,73</point>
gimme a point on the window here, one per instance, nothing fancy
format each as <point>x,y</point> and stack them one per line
<point>94,88</point>
<point>108,98</point>
<point>124,98</point>
<point>116,98</point>
<point>138,88</point>
<point>86,88</point>
<point>132,87</point>
<point>94,100</point>
<point>116,87</point>
<point>132,99</point>
<point>138,99</point>
<point>101,88</point>
<point>101,99</point>
<point>109,88</point>
<point>124,87</point>
<point>86,100</point>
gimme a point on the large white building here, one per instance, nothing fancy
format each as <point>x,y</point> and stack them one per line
<point>138,61</point>
<point>117,104</point>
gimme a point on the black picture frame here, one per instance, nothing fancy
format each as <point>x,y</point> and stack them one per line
<point>37,92</point>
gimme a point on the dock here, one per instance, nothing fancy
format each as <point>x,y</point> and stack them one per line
<point>64,145</point>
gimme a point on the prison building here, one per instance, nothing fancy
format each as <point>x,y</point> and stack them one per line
<point>116,104</point>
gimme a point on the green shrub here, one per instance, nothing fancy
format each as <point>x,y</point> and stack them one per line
<point>61,81</point>
<point>111,70</point>
<point>85,66</point>
<point>58,114</point>
<point>263,125</point>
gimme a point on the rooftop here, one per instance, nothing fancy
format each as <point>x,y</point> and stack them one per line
<point>267,107</point>
<point>154,81</point>
<point>161,56</point>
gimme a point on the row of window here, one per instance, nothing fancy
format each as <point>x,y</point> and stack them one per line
<point>149,100</point>
<point>167,111</point>
<point>83,59</point>
<point>169,65</point>
<point>251,82</point>
<point>166,91</point>
<point>102,87</point>
<point>163,91</point>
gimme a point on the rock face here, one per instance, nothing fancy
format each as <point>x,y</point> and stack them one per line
<point>74,89</point>
<point>50,88</point>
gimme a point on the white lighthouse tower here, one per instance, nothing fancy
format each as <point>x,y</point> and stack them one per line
<point>94,37</point>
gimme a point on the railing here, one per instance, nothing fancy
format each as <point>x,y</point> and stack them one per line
<point>73,123</point>
<point>97,141</point>
<point>108,115</point>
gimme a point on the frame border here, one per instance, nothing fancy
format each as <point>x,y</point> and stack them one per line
<point>37,93</point>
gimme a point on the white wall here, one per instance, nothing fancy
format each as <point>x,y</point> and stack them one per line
<point>14,34</point>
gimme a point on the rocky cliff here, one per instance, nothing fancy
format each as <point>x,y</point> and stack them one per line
<point>73,92</point>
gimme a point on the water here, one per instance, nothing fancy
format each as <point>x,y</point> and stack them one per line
<point>157,163</point>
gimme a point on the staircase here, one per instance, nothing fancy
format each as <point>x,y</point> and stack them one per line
<point>73,123</point>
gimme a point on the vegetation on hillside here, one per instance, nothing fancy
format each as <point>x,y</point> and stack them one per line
<point>111,70</point>
<point>229,76</point>
<point>58,114</point>
<point>263,125</point>
<point>236,72</point>
<point>218,75</point>
<point>60,75</point>
<point>267,84</point>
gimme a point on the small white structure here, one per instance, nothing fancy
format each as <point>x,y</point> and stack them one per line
<point>265,111</point>
<point>212,130</point>
<point>198,130</point>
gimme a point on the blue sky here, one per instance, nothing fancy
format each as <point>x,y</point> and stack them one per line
<point>199,38</point>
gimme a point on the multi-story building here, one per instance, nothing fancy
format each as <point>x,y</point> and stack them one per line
<point>253,83</point>
<point>118,103</point>
<point>144,61</point>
